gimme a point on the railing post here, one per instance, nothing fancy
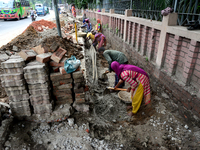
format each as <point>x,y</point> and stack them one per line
<point>128,12</point>
<point>169,20</point>
<point>112,11</point>
<point>103,10</point>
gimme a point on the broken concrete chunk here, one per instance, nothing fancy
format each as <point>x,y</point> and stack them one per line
<point>27,55</point>
<point>81,107</point>
<point>58,55</point>
<point>39,49</point>
<point>4,57</point>
<point>43,58</point>
<point>15,48</point>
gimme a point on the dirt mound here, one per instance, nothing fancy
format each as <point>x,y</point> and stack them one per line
<point>72,49</point>
<point>38,25</point>
<point>22,40</point>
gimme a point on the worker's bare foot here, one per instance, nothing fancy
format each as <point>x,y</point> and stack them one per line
<point>129,107</point>
<point>131,114</point>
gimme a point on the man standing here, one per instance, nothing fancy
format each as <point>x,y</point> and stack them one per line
<point>113,55</point>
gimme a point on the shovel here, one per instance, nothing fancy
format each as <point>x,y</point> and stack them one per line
<point>107,90</point>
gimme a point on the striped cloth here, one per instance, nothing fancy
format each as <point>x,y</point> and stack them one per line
<point>129,76</point>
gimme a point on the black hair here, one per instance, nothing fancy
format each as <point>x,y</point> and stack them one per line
<point>101,49</point>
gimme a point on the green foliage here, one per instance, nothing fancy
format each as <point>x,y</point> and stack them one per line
<point>116,30</point>
<point>107,25</point>
<point>94,19</point>
<point>146,58</point>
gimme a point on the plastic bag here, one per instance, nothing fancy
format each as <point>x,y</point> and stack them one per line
<point>71,64</point>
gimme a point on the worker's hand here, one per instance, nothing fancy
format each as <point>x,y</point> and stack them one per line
<point>107,71</point>
<point>129,89</point>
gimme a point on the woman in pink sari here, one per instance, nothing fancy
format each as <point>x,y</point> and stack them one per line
<point>133,75</point>
<point>73,10</point>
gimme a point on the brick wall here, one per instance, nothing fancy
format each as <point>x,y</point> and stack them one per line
<point>179,69</point>
<point>168,50</point>
<point>195,78</point>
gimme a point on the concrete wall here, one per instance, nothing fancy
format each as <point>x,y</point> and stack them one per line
<point>169,53</point>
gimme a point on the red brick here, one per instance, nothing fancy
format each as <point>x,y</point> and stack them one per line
<point>62,70</point>
<point>55,69</point>
<point>62,92</point>
<point>39,50</point>
<point>80,100</point>
<point>55,64</point>
<point>58,76</point>
<point>27,54</point>
<point>43,58</point>
<point>63,86</point>
<point>58,55</point>
<point>67,101</point>
<point>54,47</point>
<point>80,95</point>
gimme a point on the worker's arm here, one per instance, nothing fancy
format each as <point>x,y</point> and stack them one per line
<point>126,77</point>
<point>90,27</point>
<point>119,83</point>
<point>84,25</point>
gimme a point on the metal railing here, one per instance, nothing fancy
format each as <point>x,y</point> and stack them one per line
<point>188,10</point>
<point>120,11</point>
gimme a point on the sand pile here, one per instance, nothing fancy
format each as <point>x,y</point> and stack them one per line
<point>22,40</point>
<point>39,25</point>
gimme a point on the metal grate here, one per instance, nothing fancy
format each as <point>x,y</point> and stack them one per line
<point>188,11</point>
<point>149,9</point>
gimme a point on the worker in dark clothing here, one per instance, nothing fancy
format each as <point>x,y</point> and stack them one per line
<point>113,55</point>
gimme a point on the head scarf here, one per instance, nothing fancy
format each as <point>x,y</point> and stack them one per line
<point>119,68</point>
<point>98,21</point>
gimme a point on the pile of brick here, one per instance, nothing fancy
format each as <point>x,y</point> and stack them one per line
<point>15,86</point>
<point>37,78</point>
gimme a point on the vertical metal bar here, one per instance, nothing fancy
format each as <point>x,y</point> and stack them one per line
<point>57,17</point>
<point>175,5</point>
<point>189,10</point>
<point>195,9</point>
<point>131,7</point>
<point>184,7</point>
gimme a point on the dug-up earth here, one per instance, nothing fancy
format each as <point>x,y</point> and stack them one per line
<point>107,126</point>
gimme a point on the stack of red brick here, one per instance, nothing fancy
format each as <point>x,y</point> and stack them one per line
<point>62,88</point>
<point>14,84</point>
<point>79,90</point>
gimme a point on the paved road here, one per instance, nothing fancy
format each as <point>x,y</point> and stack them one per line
<point>11,28</point>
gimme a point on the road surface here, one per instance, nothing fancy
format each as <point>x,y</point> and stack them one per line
<point>11,28</point>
